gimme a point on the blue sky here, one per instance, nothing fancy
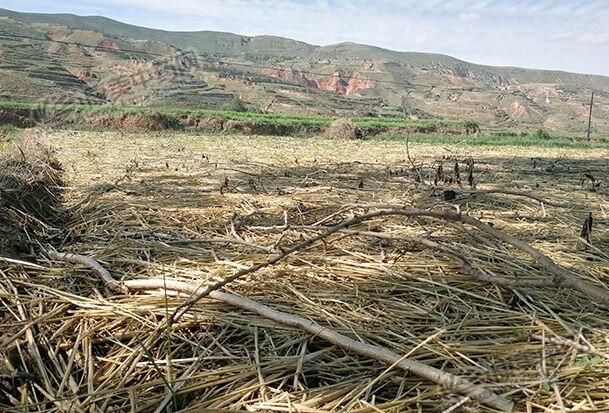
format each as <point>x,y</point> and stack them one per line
<point>568,35</point>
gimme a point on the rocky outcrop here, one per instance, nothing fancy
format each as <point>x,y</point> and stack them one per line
<point>357,83</point>
<point>334,83</point>
<point>517,110</point>
<point>58,35</point>
<point>83,74</point>
<point>107,45</point>
<point>338,82</point>
<point>291,76</point>
<point>522,111</point>
<point>345,84</point>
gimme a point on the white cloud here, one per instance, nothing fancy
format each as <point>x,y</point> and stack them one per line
<point>589,38</point>
<point>468,17</point>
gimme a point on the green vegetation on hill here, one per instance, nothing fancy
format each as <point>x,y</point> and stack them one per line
<point>71,58</point>
<point>205,41</point>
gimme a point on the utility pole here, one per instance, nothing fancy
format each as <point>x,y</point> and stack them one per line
<point>590,116</point>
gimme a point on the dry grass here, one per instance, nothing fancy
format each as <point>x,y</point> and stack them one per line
<point>343,129</point>
<point>147,206</point>
<point>30,194</point>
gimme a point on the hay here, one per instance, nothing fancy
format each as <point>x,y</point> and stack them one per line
<point>69,344</point>
<point>451,382</point>
<point>30,194</point>
<point>150,121</point>
<point>343,129</point>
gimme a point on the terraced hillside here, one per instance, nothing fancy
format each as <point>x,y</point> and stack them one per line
<point>94,59</point>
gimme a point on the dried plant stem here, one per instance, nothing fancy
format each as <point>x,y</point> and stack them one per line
<point>509,282</point>
<point>187,305</point>
<point>454,383</point>
<point>563,277</point>
<point>565,342</point>
<point>522,194</point>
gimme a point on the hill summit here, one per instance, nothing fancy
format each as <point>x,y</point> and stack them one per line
<point>69,58</point>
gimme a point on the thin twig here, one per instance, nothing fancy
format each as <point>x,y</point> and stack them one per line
<point>565,342</point>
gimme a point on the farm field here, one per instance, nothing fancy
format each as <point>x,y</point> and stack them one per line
<point>225,219</point>
<point>99,118</point>
<point>404,272</point>
<point>42,108</point>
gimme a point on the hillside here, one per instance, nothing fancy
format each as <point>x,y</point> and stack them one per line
<point>68,58</point>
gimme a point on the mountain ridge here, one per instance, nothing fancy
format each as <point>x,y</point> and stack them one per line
<point>346,78</point>
<point>66,18</point>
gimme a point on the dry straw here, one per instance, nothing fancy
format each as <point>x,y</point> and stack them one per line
<point>150,207</point>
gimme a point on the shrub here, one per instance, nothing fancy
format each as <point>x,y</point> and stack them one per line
<point>542,134</point>
<point>235,105</point>
<point>471,127</point>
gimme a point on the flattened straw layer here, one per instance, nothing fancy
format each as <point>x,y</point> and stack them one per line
<point>450,381</point>
<point>31,184</point>
<point>387,292</point>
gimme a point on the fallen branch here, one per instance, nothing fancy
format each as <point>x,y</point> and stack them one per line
<point>106,277</point>
<point>452,382</point>
<point>562,277</point>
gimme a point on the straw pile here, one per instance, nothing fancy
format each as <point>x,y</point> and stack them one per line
<point>30,192</point>
<point>197,210</point>
<point>343,129</point>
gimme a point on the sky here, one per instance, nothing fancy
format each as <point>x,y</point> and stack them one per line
<point>571,35</point>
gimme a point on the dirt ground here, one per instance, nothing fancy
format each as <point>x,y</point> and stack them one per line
<point>159,205</point>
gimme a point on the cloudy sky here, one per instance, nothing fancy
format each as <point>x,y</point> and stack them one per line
<point>569,35</point>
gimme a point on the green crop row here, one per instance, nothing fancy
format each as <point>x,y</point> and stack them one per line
<point>530,139</point>
<point>250,117</point>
